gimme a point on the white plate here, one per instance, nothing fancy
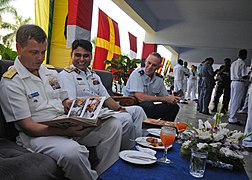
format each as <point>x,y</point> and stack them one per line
<point>137,157</point>
<point>154,131</point>
<point>142,141</point>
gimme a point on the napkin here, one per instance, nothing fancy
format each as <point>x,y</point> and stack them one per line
<point>146,150</point>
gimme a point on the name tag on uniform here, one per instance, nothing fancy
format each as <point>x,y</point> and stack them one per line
<point>32,95</point>
<point>80,81</point>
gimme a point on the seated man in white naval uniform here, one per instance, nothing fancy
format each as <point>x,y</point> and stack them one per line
<point>80,81</point>
<point>31,93</point>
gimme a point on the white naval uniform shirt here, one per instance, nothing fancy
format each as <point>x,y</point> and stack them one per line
<point>238,69</point>
<point>80,84</point>
<point>140,82</point>
<point>26,95</point>
<point>179,72</point>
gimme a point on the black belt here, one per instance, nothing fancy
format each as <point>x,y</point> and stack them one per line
<point>239,80</point>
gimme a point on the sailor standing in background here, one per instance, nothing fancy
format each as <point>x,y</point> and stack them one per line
<point>238,76</point>
<point>208,83</point>
<point>185,78</point>
<point>192,84</point>
<point>247,142</point>
<point>179,74</point>
<point>200,99</point>
<point>222,86</point>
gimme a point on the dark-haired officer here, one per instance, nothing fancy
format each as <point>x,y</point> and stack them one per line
<point>80,82</point>
<point>148,87</point>
<point>223,82</point>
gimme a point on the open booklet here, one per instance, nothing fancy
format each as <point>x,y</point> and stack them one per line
<point>87,112</point>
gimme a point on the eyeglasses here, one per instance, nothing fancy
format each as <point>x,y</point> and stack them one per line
<point>79,55</point>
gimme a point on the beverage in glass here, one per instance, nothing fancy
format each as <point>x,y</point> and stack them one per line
<point>167,136</point>
<point>181,127</point>
<point>198,163</point>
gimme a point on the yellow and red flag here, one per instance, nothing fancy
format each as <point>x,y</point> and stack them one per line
<point>159,71</point>
<point>51,17</point>
<point>107,42</point>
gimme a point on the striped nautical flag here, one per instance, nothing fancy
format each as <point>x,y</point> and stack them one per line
<point>107,42</point>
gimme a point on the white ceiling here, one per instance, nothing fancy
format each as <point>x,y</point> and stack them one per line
<point>221,26</point>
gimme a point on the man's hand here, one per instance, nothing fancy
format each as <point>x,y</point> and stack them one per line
<point>67,104</point>
<point>172,99</point>
<point>77,131</point>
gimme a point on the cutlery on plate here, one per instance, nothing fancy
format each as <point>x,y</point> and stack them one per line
<point>142,140</point>
<point>142,157</point>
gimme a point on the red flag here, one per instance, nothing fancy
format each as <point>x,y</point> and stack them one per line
<point>79,20</point>
<point>147,49</point>
<point>133,45</point>
<point>107,42</point>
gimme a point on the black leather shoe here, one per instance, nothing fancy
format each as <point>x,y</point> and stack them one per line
<point>248,149</point>
<point>238,123</point>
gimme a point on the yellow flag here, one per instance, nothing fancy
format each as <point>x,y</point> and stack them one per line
<point>51,17</point>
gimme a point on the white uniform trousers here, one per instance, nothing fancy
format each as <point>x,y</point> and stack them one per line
<point>138,116</point>
<point>178,85</point>
<point>184,86</point>
<point>71,154</point>
<point>191,89</point>
<point>128,131</point>
<point>131,125</point>
<point>247,142</point>
<point>237,92</point>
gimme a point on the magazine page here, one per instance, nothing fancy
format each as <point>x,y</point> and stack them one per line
<point>77,107</point>
<point>92,107</point>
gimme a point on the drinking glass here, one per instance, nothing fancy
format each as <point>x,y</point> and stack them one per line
<point>167,136</point>
<point>181,127</point>
<point>198,163</point>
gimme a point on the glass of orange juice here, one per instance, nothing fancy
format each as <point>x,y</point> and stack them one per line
<point>167,136</point>
<point>181,127</point>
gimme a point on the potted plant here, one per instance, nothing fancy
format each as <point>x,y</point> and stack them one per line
<point>7,53</point>
<point>121,68</point>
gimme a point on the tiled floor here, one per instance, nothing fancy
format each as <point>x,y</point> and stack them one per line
<point>188,112</point>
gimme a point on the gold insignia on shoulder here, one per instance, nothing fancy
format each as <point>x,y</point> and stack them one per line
<point>69,69</point>
<point>49,66</point>
<point>77,71</point>
<point>10,73</point>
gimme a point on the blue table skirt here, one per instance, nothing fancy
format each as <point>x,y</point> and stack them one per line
<point>179,169</point>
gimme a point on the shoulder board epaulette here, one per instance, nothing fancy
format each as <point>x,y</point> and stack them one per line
<point>10,73</point>
<point>49,66</point>
<point>159,75</point>
<point>141,72</point>
<point>71,69</point>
